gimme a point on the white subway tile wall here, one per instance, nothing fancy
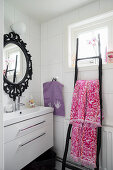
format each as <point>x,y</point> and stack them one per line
<point>32,37</point>
<point>53,60</point>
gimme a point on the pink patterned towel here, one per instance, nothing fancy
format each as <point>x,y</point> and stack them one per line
<point>85,118</point>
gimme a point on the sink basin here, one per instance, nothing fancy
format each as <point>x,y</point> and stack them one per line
<point>27,113</point>
<point>29,110</point>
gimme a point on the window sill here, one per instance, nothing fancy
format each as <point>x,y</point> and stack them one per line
<point>94,67</point>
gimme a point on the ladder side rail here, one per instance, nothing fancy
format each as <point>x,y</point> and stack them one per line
<point>99,133</point>
<point>76,64</point>
<point>70,125</point>
<point>66,147</point>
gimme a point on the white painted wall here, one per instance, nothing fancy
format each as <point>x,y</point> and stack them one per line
<point>32,38</point>
<point>1,86</point>
<point>53,58</point>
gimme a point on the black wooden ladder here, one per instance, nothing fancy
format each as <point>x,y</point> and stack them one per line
<point>64,162</point>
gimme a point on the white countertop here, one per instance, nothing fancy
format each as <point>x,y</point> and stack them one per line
<point>28,113</point>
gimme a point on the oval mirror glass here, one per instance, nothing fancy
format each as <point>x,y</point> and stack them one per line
<point>14,63</point>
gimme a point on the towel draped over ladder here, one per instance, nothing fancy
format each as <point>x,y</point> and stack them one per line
<point>85,118</point>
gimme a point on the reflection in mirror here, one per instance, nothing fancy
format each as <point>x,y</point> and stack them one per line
<point>14,63</point>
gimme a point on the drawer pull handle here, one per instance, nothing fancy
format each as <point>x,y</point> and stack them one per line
<point>31,140</point>
<point>20,130</point>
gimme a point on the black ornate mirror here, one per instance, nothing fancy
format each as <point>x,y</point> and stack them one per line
<point>17,65</point>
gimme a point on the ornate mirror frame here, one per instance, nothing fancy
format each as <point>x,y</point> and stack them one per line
<point>16,89</point>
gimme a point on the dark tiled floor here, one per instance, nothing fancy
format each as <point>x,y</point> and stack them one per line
<point>45,162</point>
<point>34,166</point>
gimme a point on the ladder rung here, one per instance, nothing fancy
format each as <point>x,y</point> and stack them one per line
<point>10,70</point>
<point>88,58</point>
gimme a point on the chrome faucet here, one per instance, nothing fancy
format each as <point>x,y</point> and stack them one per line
<point>18,104</point>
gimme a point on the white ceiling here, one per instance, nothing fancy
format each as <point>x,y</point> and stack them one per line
<point>44,10</point>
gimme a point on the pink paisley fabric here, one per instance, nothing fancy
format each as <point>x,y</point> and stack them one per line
<point>85,118</point>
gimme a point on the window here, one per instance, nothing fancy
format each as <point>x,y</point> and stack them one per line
<point>10,60</point>
<point>88,41</point>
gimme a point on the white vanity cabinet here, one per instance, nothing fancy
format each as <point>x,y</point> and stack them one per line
<point>24,141</point>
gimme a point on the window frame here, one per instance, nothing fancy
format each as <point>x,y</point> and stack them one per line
<point>104,20</point>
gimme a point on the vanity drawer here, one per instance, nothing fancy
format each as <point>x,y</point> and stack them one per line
<point>25,149</point>
<point>17,130</point>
